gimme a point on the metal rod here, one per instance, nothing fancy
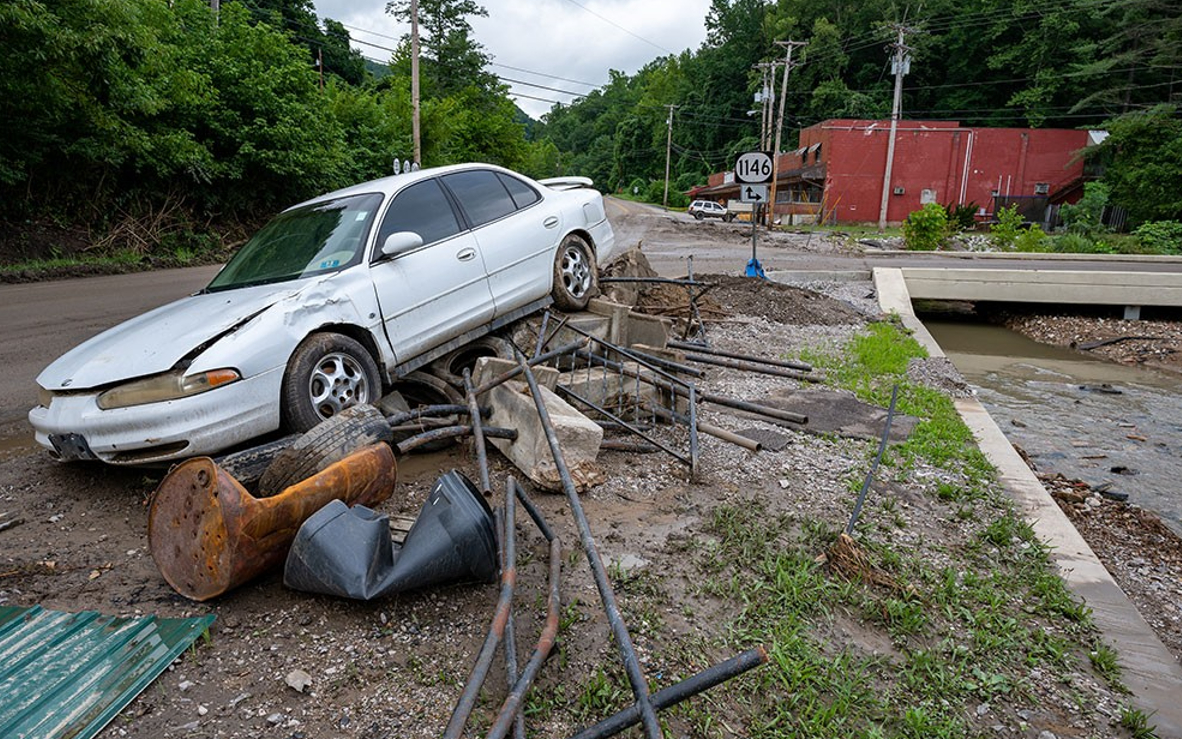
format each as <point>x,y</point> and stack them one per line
<point>554,333</point>
<point>467,701</point>
<point>886,432</point>
<point>648,716</point>
<point>746,366</point>
<point>541,333</point>
<point>540,359</point>
<point>803,366</point>
<point>623,424</point>
<point>629,354</point>
<point>477,434</point>
<point>428,411</point>
<point>452,432</point>
<point>709,428</point>
<point>693,429</point>
<point>655,280</point>
<point>511,707</point>
<point>669,364</point>
<point>674,694</point>
<point>742,405</point>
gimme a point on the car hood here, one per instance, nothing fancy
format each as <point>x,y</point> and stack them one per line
<point>155,341</point>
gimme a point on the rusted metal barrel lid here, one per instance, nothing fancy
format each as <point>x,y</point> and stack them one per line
<point>187,531</point>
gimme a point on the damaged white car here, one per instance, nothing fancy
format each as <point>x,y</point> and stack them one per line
<point>329,303</point>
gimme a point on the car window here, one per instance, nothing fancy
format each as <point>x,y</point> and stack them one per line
<point>322,237</point>
<point>522,193</point>
<point>481,195</point>
<point>422,208</point>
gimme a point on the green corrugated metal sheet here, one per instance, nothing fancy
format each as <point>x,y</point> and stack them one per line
<point>66,675</point>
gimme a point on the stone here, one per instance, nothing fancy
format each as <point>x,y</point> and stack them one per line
<point>578,436</point>
<point>489,367</point>
<point>298,680</point>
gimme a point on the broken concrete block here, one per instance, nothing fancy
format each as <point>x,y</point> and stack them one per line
<point>616,313</point>
<point>489,367</point>
<point>650,330</point>
<point>578,436</point>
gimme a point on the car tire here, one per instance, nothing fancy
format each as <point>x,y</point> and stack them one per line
<point>698,215</point>
<point>450,367</point>
<point>422,388</point>
<point>327,442</point>
<point>248,465</point>
<point>728,217</point>
<point>327,373</point>
<point>576,278</point>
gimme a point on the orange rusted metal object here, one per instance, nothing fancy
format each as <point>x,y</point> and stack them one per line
<point>208,534</point>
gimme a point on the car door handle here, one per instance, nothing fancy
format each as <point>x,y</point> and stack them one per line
<point>550,222</point>
<point>466,255</point>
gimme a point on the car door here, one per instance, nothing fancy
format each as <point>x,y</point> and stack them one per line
<point>437,291</point>
<point>517,230</point>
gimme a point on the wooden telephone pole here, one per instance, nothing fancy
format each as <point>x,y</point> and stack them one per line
<point>902,65</point>
<point>789,46</point>
<point>414,81</point>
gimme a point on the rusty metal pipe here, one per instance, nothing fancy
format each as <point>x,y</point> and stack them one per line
<point>677,389</point>
<point>567,392</point>
<point>709,428</point>
<point>496,630</point>
<point>674,694</point>
<point>700,349</point>
<point>452,432</point>
<point>669,364</point>
<point>748,366</point>
<point>511,707</point>
<point>208,535</point>
<point>613,445</point>
<point>648,716</point>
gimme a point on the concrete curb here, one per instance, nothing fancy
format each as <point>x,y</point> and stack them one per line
<point>1149,670</point>
<point>1029,256</point>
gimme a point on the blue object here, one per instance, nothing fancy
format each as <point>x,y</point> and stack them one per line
<point>69,674</point>
<point>755,269</point>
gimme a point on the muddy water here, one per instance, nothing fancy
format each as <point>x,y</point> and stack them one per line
<point>1091,420</point>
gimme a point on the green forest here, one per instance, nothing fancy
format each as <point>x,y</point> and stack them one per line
<point>154,127</point>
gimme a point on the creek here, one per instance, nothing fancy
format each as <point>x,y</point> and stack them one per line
<point>1104,423</point>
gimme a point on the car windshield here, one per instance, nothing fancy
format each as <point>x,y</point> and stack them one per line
<point>322,237</point>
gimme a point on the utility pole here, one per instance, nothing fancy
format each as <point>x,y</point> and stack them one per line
<point>416,132</point>
<point>668,154</point>
<point>789,46</point>
<point>320,66</point>
<point>902,65</point>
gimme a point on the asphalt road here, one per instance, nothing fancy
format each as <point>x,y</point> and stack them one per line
<point>40,321</point>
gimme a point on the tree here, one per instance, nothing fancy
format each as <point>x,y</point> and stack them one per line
<point>453,60</point>
<point>1142,159</point>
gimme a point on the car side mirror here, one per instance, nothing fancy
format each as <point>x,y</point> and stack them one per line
<point>401,242</point>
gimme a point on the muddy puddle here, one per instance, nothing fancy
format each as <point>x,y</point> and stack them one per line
<point>1097,421</point>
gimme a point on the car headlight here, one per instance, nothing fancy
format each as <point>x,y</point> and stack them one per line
<point>170,386</point>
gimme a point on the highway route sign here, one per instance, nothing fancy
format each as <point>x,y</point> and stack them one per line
<point>753,193</point>
<point>754,168</point>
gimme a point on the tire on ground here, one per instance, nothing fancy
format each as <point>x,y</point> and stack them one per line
<point>327,442</point>
<point>576,277</point>
<point>333,366</point>
<point>248,465</point>
<point>450,367</point>
<point>422,388</point>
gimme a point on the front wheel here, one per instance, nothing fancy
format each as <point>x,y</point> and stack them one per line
<point>327,373</point>
<point>575,278</point>
<point>698,215</point>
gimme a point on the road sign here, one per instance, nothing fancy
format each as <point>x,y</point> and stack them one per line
<point>753,193</point>
<point>754,167</point>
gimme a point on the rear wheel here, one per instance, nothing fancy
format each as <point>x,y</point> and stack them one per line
<point>327,374</point>
<point>575,277</point>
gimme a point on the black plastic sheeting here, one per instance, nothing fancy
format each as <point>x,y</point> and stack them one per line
<point>348,552</point>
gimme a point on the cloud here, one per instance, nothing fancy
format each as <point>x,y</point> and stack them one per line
<point>552,37</point>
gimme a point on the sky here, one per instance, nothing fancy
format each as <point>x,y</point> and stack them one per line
<point>568,45</point>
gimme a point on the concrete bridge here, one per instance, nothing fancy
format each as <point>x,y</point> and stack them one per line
<point>1129,289</point>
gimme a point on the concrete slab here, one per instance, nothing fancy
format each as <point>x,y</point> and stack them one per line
<point>579,436</point>
<point>1149,669</point>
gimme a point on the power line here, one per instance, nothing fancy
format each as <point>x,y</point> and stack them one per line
<point>610,22</point>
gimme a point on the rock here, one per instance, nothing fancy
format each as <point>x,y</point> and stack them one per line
<point>1115,495</point>
<point>202,710</point>
<point>275,719</point>
<point>238,699</point>
<point>185,685</point>
<point>298,680</point>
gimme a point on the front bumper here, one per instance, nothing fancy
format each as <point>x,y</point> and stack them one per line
<point>74,427</point>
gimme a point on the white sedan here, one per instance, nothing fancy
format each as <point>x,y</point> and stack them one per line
<point>330,302</point>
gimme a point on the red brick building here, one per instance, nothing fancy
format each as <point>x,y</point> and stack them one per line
<point>837,173</point>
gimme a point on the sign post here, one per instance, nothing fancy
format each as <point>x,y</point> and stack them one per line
<point>753,171</point>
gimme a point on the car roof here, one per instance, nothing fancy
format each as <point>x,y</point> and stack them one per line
<point>389,185</point>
